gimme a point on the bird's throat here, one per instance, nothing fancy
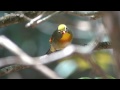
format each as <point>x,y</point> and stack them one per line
<point>66,38</point>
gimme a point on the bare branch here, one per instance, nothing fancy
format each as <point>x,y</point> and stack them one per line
<point>112,21</point>
<point>8,44</point>
<point>37,20</point>
<point>17,17</point>
<point>22,16</point>
<point>83,13</point>
<point>12,68</point>
<point>45,59</point>
<point>103,45</point>
<point>93,14</point>
<point>17,60</point>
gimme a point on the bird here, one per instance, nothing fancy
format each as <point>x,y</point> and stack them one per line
<point>60,38</point>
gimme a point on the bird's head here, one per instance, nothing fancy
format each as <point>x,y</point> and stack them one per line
<point>62,28</point>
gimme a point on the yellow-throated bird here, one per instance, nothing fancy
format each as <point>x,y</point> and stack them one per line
<point>60,38</point>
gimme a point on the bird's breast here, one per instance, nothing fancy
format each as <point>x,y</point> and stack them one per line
<point>62,42</point>
<point>66,38</point>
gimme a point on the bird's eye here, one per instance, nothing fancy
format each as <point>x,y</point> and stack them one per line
<point>66,28</point>
<point>59,31</point>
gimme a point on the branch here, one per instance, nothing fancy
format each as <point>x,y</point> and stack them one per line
<point>22,16</point>
<point>111,20</point>
<point>94,14</point>
<point>45,59</point>
<point>12,68</point>
<point>112,23</point>
<point>38,20</point>
<point>103,45</point>
<point>27,60</point>
<point>13,60</point>
<point>17,17</point>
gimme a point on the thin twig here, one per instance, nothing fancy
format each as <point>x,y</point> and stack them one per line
<point>93,14</point>
<point>47,17</point>
<point>15,17</point>
<point>83,13</point>
<point>33,21</point>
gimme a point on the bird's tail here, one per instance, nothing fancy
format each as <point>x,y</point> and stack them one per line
<point>49,51</point>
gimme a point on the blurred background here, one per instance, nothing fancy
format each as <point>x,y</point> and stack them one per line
<point>35,42</point>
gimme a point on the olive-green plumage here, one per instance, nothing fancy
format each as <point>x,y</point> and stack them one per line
<point>60,38</point>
